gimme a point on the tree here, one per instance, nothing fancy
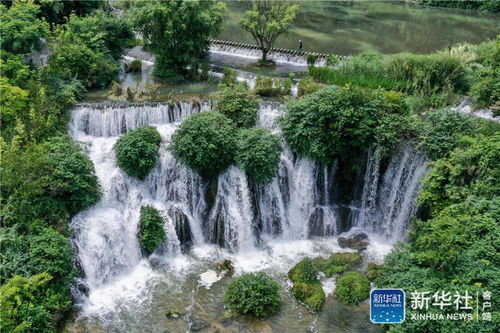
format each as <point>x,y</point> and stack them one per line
<point>137,151</point>
<point>238,104</point>
<point>21,30</point>
<point>177,32</point>
<point>206,142</point>
<point>258,153</point>
<point>266,20</point>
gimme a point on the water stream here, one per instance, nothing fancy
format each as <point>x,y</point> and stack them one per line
<point>259,227</point>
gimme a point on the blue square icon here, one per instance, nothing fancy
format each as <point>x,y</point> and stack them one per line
<point>387,306</point>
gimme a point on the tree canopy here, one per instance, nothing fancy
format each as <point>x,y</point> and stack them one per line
<point>266,20</point>
<point>177,32</point>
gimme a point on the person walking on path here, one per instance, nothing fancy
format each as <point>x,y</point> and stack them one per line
<point>300,45</point>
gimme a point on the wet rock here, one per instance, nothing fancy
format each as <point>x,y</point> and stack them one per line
<point>198,325</point>
<point>316,222</point>
<point>358,241</point>
<point>182,228</point>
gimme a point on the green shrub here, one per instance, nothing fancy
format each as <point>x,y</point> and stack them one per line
<point>340,262</point>
<point>311,59</point>
<point>312,295</point>
<point>229,77</point>
<point>151,229</point>
<point>486,90</point>
<point>336,122</point>
<point>206,142</point>
<point>373,271</point>
<point>137,151</point>
<point>306,286</point>
<point>332,60</point>
<point>93,69</point>
<point>29,305</point>
<point>236,103</point>
<point>352,288</point>
<point>306,86</point>
<point>134,66</point>
<point>304,271</point>
<point>253,293</point>
<point>264,86</point>
<point>441,132</point>
<point>258,153</point>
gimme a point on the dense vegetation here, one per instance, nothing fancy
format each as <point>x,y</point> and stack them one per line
<point>177,32</point>
<point>432,80</point>
<point>257,153</point>
<point>238,104</point>
<point>46,177</point>
<point>253,293</point>
<point>205,142</point>
<point>151,233</point>
<point>306,286</point>
<point>137,151</point>
<point>352,288</point>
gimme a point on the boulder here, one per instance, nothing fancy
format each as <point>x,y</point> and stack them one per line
<point>358,241</point>
<point>182,228</point>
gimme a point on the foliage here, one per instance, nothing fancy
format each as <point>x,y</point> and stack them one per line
<point>266,20</point>
<point>253,293</point>
<point>332,60</point>
<point>151,228</point>
<point>441,132</point>
<point>135,66</point>
<point>258,153</point>
<point>336,122</point>
<point>229,78</point>
<point>57,11</point>
<point>47,182</point>
<point>311,59</point>
<point>307,86</point>
<point>177,32</point>
<point>266,86</point>
<point>304,271</point>
<point>13,104</point>
<point>352,288</point>
<point>338,263</point>
<point>424,75</point>
<point>137,151</point>
<point>485,89</point>
<point>28,305</point>
<point>206,142</point>
<point>102,32</point>
<point>93,69</point>
<point>306,286</point>
<point>14,69</point>
<point>20,28</point>
<point>238,104</point>
<point>470,170</point>
<point>373,271</point>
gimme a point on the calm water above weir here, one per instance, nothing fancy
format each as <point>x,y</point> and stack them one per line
<point>350,27</point>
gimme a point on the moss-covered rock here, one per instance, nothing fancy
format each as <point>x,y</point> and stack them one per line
<point>373,271</point>
<point>151,229</point>
<point>306,286</point>
<point>338,263</point>
<point>352,288</point>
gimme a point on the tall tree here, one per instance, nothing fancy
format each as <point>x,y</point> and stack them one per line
<point>266,20</point>
<point>177,31</point>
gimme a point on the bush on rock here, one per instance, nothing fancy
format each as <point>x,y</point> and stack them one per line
<point>253,293</point>
<point>137,151</point>
<point>352,288</point>
<point>151,228</point>
<point>206,142</point>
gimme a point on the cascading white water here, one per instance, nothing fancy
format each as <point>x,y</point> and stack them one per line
<point>295,206</point>
<point>388,200</point>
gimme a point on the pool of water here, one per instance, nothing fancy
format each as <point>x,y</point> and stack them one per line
<point>350,27</point>
<point>190,285</point>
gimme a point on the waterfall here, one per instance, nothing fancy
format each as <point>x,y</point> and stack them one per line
<point>388,199</point>
<point>234,212</point>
